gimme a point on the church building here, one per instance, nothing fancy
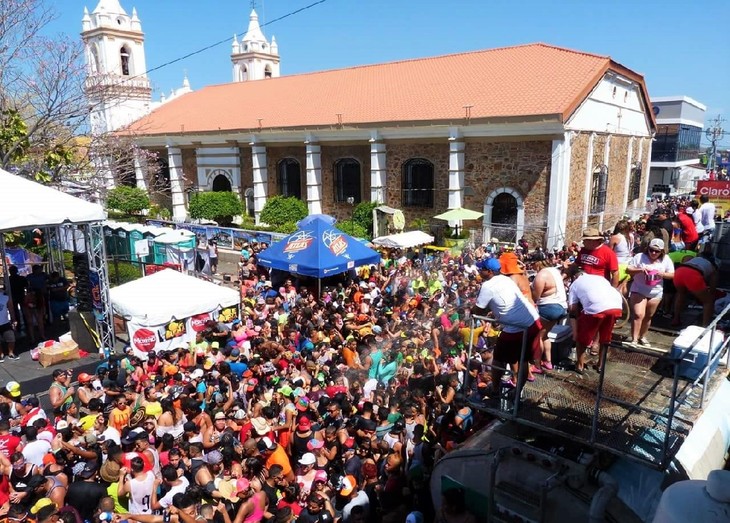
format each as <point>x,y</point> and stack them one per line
<point>544,140</point>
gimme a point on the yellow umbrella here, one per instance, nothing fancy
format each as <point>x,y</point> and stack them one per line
<point>459,214</point>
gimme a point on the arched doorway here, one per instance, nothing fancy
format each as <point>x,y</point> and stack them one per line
<point>221,183</point>
<point>504,215</point>
<point>250,210</point>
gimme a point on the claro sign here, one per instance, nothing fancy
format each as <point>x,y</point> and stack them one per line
<point>716,190</point>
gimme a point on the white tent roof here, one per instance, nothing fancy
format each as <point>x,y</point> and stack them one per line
<point>404,240</point>
<point>25,204</point>
<point>162,296</point>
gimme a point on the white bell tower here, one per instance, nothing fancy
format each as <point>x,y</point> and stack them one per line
<point>117,86</point>
<point>253,57</point>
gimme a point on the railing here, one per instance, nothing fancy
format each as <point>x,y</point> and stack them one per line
<point>664,415</point>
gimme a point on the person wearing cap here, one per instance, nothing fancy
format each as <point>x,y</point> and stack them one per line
<point>689,229</point>
<point>43,510</point>
<point>648,269</point>
<point>595,304</point>
<point>85,493</point>
<point>87,391</point>
<point>598,258</point>
<point>513,267</point>
<point>355,497</point>
<point>213,434</point>
<point>502,297</point>
<point>274,454</point>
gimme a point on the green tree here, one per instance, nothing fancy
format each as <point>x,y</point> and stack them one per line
<point>128,200</point>
<point>353,228</point>
<point>218,206</point>
<point>363,216</point>
<point>281,210</point>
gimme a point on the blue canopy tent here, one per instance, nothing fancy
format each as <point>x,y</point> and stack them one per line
<point>318,250</point>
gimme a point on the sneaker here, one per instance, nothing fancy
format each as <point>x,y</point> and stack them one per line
<point>2,359</point>
<point>534,369</point>
<point>547,365</point>
<point>13,356</point>
<point>643,342</point>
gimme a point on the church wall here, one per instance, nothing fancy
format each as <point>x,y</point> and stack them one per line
<point>523,166</point>
<point>396,156</point>
<point>274,155</point>
<point>190,168</point>
<point>330,155</point>
<point>577,186</point>
<point>246,163</point>
<point>615,197</point>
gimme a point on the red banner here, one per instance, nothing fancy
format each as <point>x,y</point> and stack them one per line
<point>718,193</point>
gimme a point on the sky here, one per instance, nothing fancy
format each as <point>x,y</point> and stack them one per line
<point>670,42</point>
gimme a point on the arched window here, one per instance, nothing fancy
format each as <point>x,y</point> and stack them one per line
<point>635,181</point>
<point>504,215</point>
<point>599,188</point>
<point>348,180</point>
<point>418,183</point>
<point>94,63</point>
<point>124,57</point>
<point>221,183</point>
<point>267,71</point>
<point>248,196</point>
<point>290,178</point>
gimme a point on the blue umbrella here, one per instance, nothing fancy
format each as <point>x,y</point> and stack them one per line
<point>318,250</point>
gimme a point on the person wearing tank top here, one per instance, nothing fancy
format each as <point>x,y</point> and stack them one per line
<point>548,292</point>
<point>620,241</point>
<point>138,486</point>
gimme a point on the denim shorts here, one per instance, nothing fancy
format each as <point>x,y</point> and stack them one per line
<point>551,311</point>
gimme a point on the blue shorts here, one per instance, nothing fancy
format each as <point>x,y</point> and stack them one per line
<point>551,311</point>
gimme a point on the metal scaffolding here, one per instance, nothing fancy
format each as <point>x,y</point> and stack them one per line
<point>96,255</point>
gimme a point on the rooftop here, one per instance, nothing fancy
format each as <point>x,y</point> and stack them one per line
<point>534,81</point>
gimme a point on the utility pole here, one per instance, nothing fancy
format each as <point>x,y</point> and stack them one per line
<point>714,134</point>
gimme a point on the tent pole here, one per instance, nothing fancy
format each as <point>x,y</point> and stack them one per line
<point>6,276</point>
<point>319,288</point>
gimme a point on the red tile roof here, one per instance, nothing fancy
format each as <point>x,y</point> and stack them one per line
<point>523,81</point>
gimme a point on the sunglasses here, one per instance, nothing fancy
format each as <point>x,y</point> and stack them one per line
<point>655,251</point>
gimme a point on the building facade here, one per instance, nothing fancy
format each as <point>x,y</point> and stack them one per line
<point>676,150</point>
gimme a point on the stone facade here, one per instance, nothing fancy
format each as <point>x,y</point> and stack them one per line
<point>523,166</point>
<point>576,194</point>
<point>274,154</point>
<point>330,155</point>
<point>246,164</point>
<point>397,154</point>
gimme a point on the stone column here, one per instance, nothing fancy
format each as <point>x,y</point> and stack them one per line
<point>589,181</point>
<point>557,213</point>
<point>629,163</point>
<point>646,167</point>
<point>177,177</point>
<point>314,178</point>
<point>456,173</point>
<point>139,171</point>
<point>260,179</point>
<point>378,172</point>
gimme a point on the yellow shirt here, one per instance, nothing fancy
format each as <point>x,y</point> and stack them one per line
<point>464,332</point>
<point>120,506</point>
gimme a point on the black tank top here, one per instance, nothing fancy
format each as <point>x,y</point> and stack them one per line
<point>299,444</point>
<point>20,481</point>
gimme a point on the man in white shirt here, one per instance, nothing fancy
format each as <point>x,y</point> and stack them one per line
<point>595,304</point>
<point>35,449</point>
<point>705,215</point>
<point>501,296</point>
<point>174,484</point>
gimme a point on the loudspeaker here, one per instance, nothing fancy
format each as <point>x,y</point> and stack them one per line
<point>83,284</point>
<point>79,332</point>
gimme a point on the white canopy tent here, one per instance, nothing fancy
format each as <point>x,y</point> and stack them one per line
<point>26,204</point>
<point>404,240</point>
<point>167,309</point>
<point>167,295</point>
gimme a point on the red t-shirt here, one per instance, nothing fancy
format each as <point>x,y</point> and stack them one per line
<point>601,261</point>
<point>8,444</point>
<point>689,231</point>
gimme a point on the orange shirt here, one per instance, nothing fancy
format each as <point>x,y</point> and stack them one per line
<point>120,418</point>
<point>279,457</point>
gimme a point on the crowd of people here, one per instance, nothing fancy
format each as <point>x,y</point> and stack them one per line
<point>334,405</point>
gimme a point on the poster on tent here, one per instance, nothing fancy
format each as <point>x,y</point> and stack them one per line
<point>22,259</point>
<point>168,336</point>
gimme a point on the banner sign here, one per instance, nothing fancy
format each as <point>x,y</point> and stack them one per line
<point>146,338</point>
<point>718,193</point>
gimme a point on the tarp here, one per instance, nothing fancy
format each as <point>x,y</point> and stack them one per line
<point>404,240</point>
<point>317,249</point>
<point>26,204</point>
<point>167,295</point>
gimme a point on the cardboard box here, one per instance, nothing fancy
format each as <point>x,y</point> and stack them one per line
<point>55,353</point>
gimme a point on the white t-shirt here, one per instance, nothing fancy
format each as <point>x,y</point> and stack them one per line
<point>35,451</point>
<point>166,500</point>
<point>649,285</point>
<point>503,297</point>
<point>705,216</point>
<point>594,293</point>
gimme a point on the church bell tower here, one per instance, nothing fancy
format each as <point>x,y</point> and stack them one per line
<point>116,86</point>
<point>253,57</point>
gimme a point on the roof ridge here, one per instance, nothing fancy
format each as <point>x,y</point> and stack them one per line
<point>420,59</point>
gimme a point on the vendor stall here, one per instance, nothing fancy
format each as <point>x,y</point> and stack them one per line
<point>168,308</point>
